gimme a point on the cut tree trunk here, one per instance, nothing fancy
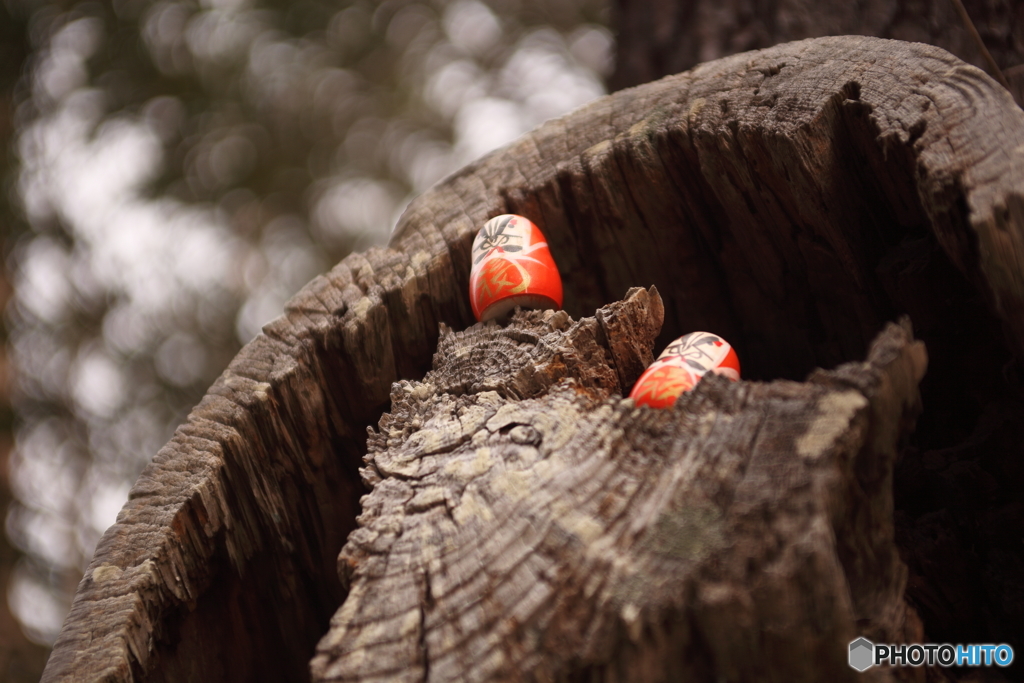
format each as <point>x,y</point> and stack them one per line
<point>794,200</point>
<point>527,523</point>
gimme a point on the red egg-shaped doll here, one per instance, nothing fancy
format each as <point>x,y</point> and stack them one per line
<point>681,365</point>
<point>512,266</point>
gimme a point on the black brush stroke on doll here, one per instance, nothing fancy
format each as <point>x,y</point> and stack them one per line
<point>494,237</point>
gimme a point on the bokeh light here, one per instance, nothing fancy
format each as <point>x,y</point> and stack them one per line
<point>185,168</point>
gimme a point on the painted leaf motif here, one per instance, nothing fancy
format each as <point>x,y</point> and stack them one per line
<point>663,386</point>
<point>501,277</point>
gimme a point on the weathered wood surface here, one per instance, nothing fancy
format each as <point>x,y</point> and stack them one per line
<point>792,200</point>
<point>527,523</point>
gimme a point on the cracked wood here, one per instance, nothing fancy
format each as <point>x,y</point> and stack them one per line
<point>792,200</point>
<point>527,523</point>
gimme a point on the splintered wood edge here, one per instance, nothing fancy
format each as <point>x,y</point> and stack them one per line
<point>222,492</point>
<point>603,541</point>
<point>264,464</point>
<point>961,132</point>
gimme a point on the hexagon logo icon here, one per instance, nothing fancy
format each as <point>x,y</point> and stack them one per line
<point>862,654</point>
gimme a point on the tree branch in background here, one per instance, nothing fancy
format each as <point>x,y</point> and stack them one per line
<point>993,68</point>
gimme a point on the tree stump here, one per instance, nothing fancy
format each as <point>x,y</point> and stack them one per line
<point>527,523</point>
<point>794,200</point>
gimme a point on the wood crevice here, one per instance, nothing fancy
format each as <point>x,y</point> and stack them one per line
<point>900,196</point>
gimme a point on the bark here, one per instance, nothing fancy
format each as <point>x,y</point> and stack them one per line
<point>656,38</point>
<point>794,201</point>
<point>527,523</point>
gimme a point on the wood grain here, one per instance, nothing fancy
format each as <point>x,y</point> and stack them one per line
<point>793,200</point>
<point>536,526</point>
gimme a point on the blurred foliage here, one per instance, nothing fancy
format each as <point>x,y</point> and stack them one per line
<point>21,661</point>
<point>183,168</point>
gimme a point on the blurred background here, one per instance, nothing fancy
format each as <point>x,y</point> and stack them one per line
<point>174,170</point>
